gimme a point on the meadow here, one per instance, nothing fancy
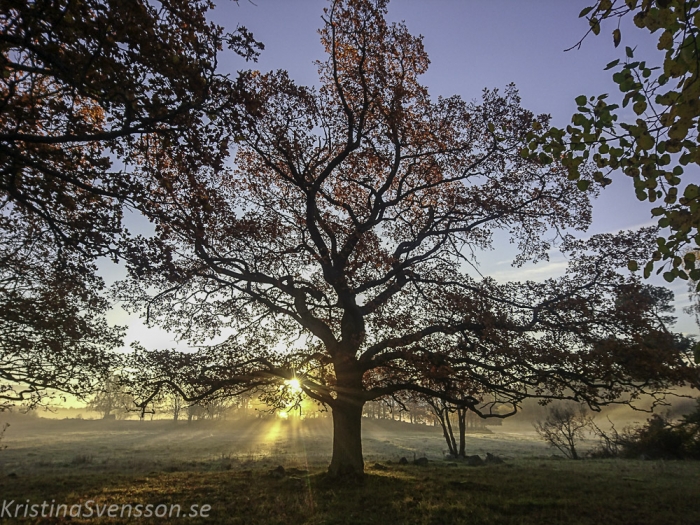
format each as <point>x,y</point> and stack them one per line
<point>234,467</point>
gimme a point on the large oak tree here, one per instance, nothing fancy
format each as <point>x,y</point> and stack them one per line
<point>341,249</point>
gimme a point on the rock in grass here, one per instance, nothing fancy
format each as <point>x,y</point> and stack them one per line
<point>474,461</point>
<point>493,459</point>
<point>421,462</point>
<point>403,461</point>
<point>277,472</point>
<point>295,481</point>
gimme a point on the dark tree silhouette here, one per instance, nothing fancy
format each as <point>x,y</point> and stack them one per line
<point>564,427</point>
<point>339,250</point>
<point>53,334</point>
<point>85,84</point>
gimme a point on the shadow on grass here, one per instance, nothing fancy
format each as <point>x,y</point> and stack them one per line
<point>529,492</point>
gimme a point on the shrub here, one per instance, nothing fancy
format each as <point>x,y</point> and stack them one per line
<point>659,438</point>
<point>564,427</point>
<point>2,433</point>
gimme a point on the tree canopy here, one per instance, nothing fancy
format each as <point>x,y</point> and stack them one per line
<point>53,334</point>
<point>339,249</point>
<point>656,142</point>
<point>84,86</point>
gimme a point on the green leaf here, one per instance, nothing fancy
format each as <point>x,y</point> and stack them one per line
<point>583,184</point>
<point>617,37</point>
<point>585,11</point>
<point>633,266</point>
<point>669,276</point>
<point>629,52</point>
<point>666,40</point>
<point>640,107</point>
<point>645,142</point>
<point>691,191</point>
<point>581,100</point>
<point>612,64</point>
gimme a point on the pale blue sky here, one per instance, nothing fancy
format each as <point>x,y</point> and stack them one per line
<point>472,44</point>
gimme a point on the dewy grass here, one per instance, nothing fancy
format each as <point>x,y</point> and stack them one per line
<point>232,466</point>
<point>522,491</point>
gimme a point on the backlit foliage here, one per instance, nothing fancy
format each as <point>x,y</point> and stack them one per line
<point>340,249</point>
<point>659,144</point>
<point>83,82</point>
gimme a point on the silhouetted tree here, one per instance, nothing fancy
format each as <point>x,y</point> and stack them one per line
<point>53,334</point>
<point>455,419</point>
<point>338,251</point>
<point>5,426</point>
<point>564,427</point>
<point>175,405</point>
<point>112,401</point>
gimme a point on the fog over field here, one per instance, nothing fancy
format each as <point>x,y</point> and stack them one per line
<point>38,444</point>
<point>70,438</point>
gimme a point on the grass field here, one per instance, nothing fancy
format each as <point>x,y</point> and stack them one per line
<point>232,466</point>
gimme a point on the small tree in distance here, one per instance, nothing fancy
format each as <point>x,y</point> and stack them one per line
<point>443,412</point>
<point>564,427</point>
<point>5,426</point>
<point>336,254</point>
<point>112,401</point>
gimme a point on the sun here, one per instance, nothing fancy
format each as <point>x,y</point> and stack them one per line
<point>294,385</point>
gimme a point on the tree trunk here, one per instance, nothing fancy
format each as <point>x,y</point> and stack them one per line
<point>443,416</point>
<point>461,418</point>
<point>347,439</point>
<point>449,432</point>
